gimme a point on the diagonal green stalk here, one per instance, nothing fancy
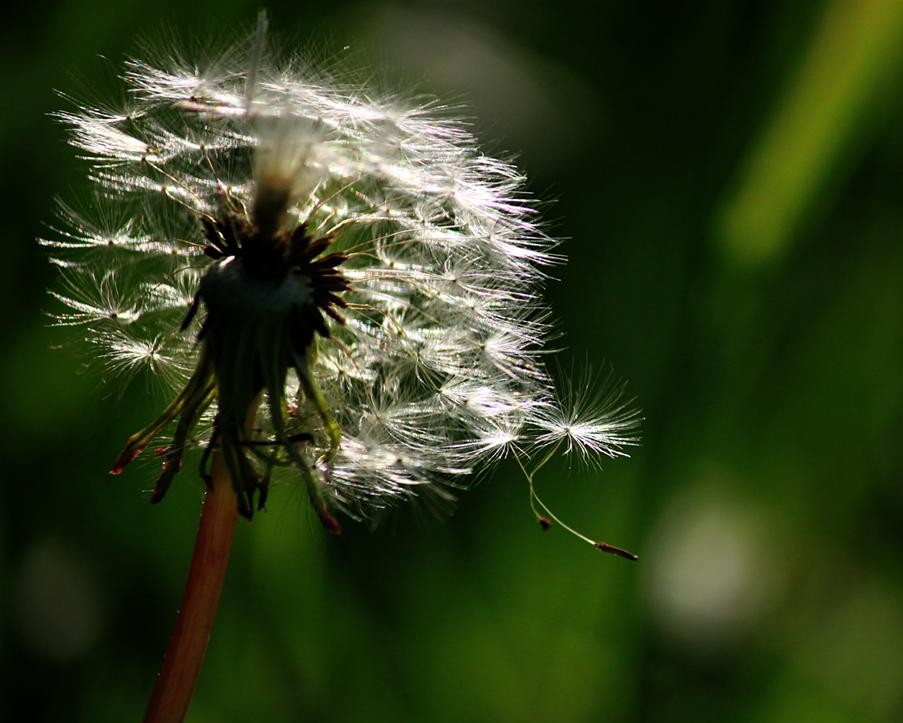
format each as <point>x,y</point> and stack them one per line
<point>840,92</point>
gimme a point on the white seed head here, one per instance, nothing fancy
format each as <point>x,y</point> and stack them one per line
<point>437,367</point>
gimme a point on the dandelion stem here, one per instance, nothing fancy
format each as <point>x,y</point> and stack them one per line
<point>183,659</point>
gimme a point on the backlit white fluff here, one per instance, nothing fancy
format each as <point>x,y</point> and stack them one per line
<point>439,368</point>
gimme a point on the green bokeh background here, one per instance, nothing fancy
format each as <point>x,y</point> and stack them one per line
<point>728,176</point>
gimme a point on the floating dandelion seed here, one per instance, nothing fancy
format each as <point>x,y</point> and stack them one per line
<point>264,237</point>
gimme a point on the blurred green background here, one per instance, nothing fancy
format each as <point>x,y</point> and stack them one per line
<point>729,178</point>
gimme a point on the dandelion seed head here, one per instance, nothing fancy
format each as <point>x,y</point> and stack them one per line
<point>260,230</point>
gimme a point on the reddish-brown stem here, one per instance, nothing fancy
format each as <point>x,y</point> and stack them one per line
<point>182,663</point>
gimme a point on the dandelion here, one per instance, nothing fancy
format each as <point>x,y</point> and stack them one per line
<point>329,283</point>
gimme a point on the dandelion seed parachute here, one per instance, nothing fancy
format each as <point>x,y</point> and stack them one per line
<point>356,262</point>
